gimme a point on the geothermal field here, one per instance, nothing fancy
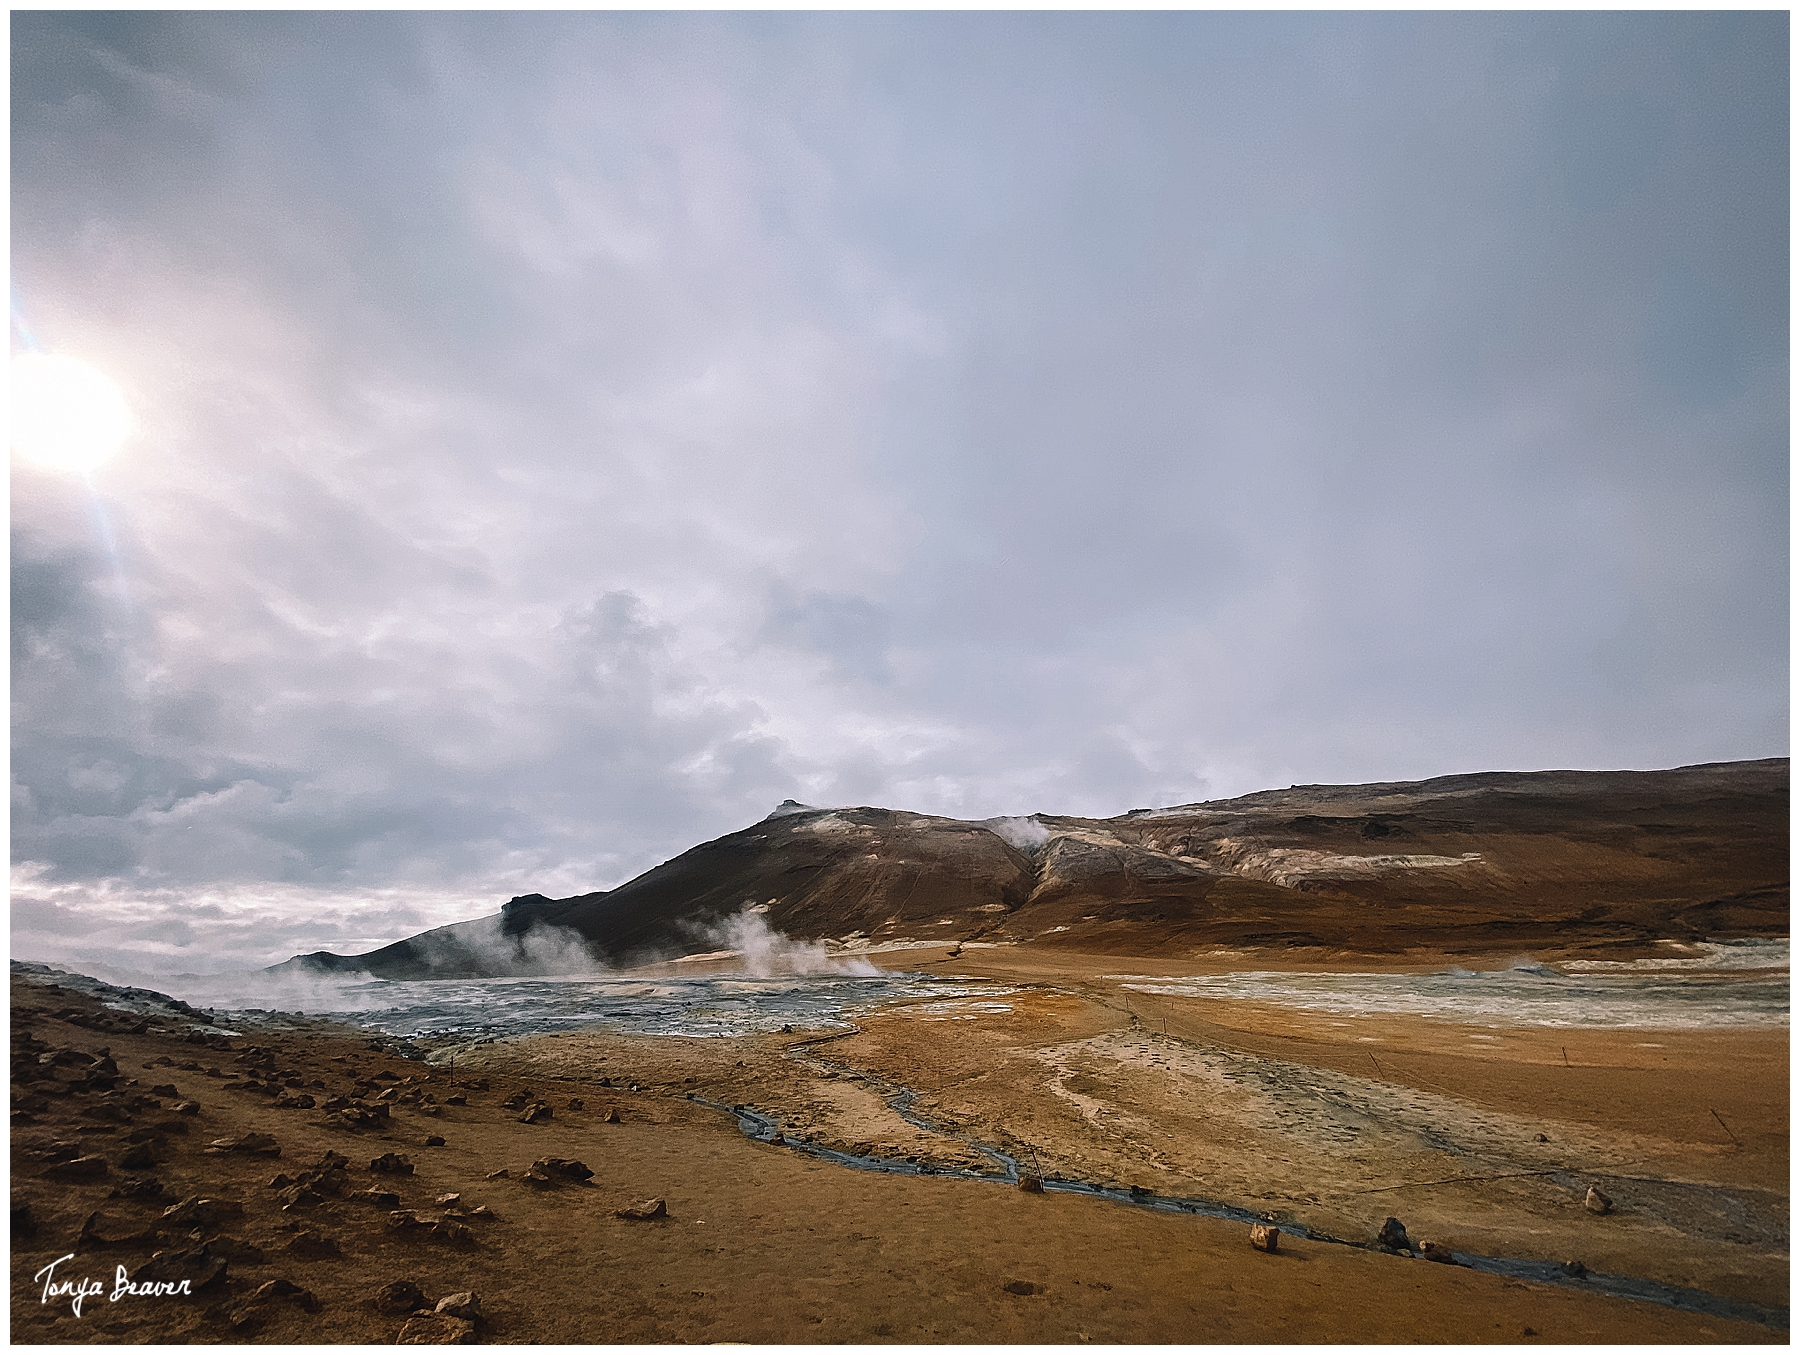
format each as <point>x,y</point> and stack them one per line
<point>1479,1060</point>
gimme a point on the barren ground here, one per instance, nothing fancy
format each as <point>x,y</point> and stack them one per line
<point>1329,1123</point>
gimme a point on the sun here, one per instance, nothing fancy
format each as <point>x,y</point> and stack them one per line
<point>66,415</point>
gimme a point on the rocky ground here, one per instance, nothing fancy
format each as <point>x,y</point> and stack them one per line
<point>307,1186</point>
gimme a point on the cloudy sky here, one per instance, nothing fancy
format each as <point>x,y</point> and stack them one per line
<point>561,437</point>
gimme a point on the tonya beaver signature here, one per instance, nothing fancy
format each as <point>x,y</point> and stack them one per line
<point>79,1291</point>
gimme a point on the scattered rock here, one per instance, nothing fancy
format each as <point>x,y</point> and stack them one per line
<point>94,1237</point>
<point>262,1145</point>
<point>402,1296</point>
<point>1542,1138</point>
<point>196,1212</point>
<point>452,1232</point>
<point>299,1197</point>
<point>536,1113</point>
<point>391,1162</point>
<point>381,1199</point>
<point>500,1175</point>
<point>1265,1236</point>
<point>1596,1202</point>
<point>437,1329</point>
<point>1023,1287</point>
<point>464,1305</point>
<point>1032,1185</point>
<point>449,1201</point>
<point>1574,1269</point>
<point>611,1116</point>
<point>1437,1251</point>
<point>1391,1236</point>
<point>196,1265</point>
<point>576,1103</point>
<point>77,1169</point>
<point>434,1140</point>
<point>163,1088</point>
<point>456,1100</point>
<point>286,1289</point>
<point>295,1101</point>
<point>235,1249</point>
<point>146,1188</point>
<point>649,1209</point>
<point>314,1246</point>
<point>562,1168</point>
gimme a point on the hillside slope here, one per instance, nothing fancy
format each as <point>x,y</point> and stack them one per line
<point>1458,863</point>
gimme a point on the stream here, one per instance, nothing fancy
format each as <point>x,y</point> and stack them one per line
<point>766,1128</point>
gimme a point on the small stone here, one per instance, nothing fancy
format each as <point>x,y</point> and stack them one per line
<point>391,1162</point>
<point>565,1168</point>
<point>235,1249</point>
<point>611,1116</point>
<point>576,1103</point>
<point>456,1234</point>
<point>78,1169</point>
<point>464,1305</point>
<point>314,1246</point>
<point>1542,1138</point>
<point>434,1140</point>
<point>1596,1202</point>
<point>138,1157</point>
<point>456,1100</point>
<point>1265,1236</point>
<point>262,1145</point>
<point>1022,1287</point>
<point>402,1296</point>
<point>286,1289</point>
<point>195,1211</point>
<point>1574,1269</point>
<point>448,1201</point>
<point>649,1209</point>
<point>1032,1185</point>
<point>1436,1251</point>
<point>299,1196</point>
<point>1392,1235</point>
<point>437,1329</point>
<point>146,1188</point>
<point>500,1175</point>
<point>536,1113</point>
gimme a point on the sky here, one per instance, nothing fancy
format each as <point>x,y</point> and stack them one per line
<point>561,437</point>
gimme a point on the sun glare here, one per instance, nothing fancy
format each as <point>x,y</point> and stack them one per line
<point>65,415</point>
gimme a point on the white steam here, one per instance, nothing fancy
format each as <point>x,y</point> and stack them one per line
<point>542,951</point>
<point>767,953</point>
<point>1026,834</point>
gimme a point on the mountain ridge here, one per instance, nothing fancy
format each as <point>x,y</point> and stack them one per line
<point>1470,861</point>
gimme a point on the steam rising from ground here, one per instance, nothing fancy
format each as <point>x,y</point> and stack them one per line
<point>543,951</point>
<point>1025,834</point>
<point>766,952</point>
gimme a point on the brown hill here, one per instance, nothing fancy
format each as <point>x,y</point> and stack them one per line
<point>1457,863</point>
